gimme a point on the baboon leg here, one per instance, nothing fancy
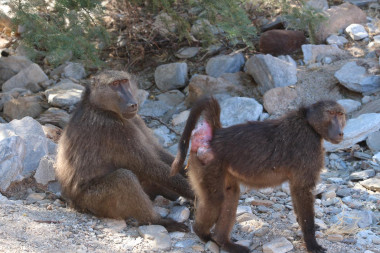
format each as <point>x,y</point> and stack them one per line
<point>208,184</point>
<point>153,190</point>
<point>119,195</point>
<point>303,197</point>
<point>161,175</point>
<point>227,217</point>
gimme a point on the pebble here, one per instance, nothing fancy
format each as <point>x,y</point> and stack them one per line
<point>212,246</point>
<point>335,238</point>
<point>279,245</point>
<point>34,197</point>
<point>179,213</point>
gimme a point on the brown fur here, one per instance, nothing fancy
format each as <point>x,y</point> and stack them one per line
<point>258,154</point>
<point>108,161</point>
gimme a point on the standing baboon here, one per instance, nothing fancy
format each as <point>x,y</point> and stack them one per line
<point>109,163</point>
<point>258,154</point>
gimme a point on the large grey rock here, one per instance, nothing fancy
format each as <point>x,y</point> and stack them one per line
<point>349,105</point>
<point>238,110</point>
<point>270,72</point>
<point>356,78</point>
<point>33,136</point>
<point>45,171</point>
<point>54,116</point>
<point>356,32</point>
<point>64,94</point>
<point>373,141</point>
<point>339,17</point>
<point>279,245</point>
<point>10,66</point>
<point>356,130</point>
<point>74,70</point>
<point>355,218</point>
<point>314,53</point>
<point>173,97</point>
<point>171,76</point>
<point>23,106</point>
<point>31,74</point>
<point>12,154</point>
<point>216,66</point>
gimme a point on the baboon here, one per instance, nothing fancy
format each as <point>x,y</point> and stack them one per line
<point>109,164</point>
<point>257,154</point>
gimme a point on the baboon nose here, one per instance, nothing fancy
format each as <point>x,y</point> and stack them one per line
<point>341,134</point>
<point>132,106</point>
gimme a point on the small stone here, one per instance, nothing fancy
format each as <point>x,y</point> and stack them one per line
<point>158,234</point>
<point>45,171</point>
<point>373,141</point>
<point>335,180</point>
<point>172,98</point>
<point>362,175</point>
<point>163,212</point>
<point>171,76</point>
<point>185,244</point>
<point>34,197</point>
<point>245,217</point>
<point>320,224</point>
<point>337,40</point>
<point>179,213</point>
<point>180,118</point>
<point>261,231</point>
<point>212,246</point>
<point>260,202</point>
<point>335,238</point>
<point>311,53</point>
<point>187,52</point>
<point>114,226</point>
<point>329,194</point>
<point>280,245</point>
<point>216,66</point>
<point>356,31</point>
<point>376,158</point>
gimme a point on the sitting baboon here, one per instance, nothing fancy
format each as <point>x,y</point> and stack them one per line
<point>109,163</point>
<point>258,154</point>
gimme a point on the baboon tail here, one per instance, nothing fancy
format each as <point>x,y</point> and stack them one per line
<point>211,108</point>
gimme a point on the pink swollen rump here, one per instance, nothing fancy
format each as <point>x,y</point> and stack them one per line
<point>200,142</point>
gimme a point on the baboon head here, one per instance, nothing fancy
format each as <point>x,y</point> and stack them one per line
<point>114,91</point>
<point>328,119</point>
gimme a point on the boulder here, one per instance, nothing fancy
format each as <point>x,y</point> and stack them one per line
<point>187,52</point>
<point>373,141</point>
<point>11,65</point>
<point>338,18</point>
<point>33,137</point>
<point>12,154</point>
<point>349,105</point>
<point>64,94</point>
<point>281,42</point>
<point>238,110</point>
<point>45,171</point>
<point>356,78</point>
<point>356,130</point>
<point>171,76</point>
<point>270,72</point>
<point>216,66</point>
<point>31,74</point>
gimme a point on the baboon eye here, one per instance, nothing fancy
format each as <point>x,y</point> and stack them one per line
<point>115,83</point>
<point>340,113</point>
<point>124,81</point>
<point>331,112</point>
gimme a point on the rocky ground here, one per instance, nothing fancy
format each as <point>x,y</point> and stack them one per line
<point>36,102</point>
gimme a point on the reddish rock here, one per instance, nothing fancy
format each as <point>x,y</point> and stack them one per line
<point>281,42</point>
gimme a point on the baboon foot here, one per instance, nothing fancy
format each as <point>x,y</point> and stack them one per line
<point>316,248</point>
<point>172,225</point>
<point>203,235</point>
<point>234,248</point>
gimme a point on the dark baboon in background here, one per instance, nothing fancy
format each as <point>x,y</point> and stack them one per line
<point>258,154</point>
<point>109,163</point>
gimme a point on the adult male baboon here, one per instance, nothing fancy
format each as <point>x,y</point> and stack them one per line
<point>258,154</point>
<point>109,163</point>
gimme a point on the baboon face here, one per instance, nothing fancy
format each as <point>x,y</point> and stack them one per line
<point>115,91</point>
<point>328,119</point>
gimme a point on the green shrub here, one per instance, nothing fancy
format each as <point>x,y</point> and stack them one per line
<point>62,28</point>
